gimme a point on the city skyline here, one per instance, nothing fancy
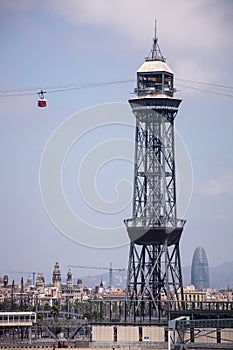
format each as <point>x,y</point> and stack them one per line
<point>82,43</point>
<point>220,276</point>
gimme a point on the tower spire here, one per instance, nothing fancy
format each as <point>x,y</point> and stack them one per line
<point>155,54</point>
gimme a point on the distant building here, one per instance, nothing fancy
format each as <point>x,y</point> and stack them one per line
<point>200,269</point>
<point>5,281</point>
<point>69,281</point>
<point>194,296</point>
<point>57,276</point>
<point>40,282</point>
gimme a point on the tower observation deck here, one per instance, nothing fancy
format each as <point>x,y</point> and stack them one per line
<point>154,269</point>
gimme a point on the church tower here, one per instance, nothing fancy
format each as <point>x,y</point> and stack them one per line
<point>57,276</point>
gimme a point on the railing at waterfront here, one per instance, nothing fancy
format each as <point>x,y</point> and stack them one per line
<point>121,310</point>
<point>133,311</point>
<point>17,318</point>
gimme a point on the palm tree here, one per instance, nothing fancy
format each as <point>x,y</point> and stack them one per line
<point>54,311</point>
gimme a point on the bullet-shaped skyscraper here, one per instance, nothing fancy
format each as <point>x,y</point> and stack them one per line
<point>200,269</point>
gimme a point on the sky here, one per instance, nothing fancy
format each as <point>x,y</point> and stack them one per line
<point>51,45</point>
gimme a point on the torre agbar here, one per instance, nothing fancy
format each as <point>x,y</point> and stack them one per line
<point>154,282</point>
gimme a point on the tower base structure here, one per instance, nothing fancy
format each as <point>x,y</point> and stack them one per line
<point>154,280</point>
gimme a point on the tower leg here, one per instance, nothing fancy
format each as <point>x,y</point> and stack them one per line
<point>154,280</point>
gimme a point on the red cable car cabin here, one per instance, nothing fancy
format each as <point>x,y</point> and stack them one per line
<point>41,101</point>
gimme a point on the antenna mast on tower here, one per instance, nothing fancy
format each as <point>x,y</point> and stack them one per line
<point>155,54</point>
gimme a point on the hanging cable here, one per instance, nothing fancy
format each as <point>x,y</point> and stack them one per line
<point>204,83</point>
<point>56,89</point>
<point>21,92</point>
<point>205,90</point>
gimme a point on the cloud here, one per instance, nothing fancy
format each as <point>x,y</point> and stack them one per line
<point>221,184</point>
<point>194,35</point>
<point>192,22</point>
<point>205,27</point>
<point>198,34</point>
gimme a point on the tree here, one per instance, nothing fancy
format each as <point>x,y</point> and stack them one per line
<point>54,311</point>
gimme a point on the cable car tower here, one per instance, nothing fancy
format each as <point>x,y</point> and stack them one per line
<point>154,268</point>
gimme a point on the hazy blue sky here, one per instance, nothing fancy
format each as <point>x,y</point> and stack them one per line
<point>68,43</point>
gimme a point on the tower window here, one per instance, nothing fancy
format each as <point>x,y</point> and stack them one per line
<point>155,83</point>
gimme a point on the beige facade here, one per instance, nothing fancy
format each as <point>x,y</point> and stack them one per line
<point>131,334</point>
<point>226,336</point>
<point>128,333</point>
<point>155,333</point>
<point>102,333</point>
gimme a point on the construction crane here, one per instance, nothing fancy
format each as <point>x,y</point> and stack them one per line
<point>110,269</point>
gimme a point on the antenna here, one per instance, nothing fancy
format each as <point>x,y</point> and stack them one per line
<point>155,54</point>
<point>155,38</point>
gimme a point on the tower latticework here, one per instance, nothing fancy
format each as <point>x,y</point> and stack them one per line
<point>154,270</point>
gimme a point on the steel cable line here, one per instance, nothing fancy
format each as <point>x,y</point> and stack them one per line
<point>205,83</point>
<point>33,91</point>
<point>205,90</point>
<point>55,89</point>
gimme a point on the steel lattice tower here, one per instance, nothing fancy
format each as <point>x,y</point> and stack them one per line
<point>154,270</point>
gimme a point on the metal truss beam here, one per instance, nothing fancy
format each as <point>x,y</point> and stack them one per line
<point>154,271</point>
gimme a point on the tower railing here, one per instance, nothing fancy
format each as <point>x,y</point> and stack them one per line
<point>143,221</point>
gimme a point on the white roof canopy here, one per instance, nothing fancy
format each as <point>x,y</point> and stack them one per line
<point>154,66</point>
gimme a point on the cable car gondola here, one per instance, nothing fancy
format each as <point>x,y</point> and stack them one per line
<point>42,101</point>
